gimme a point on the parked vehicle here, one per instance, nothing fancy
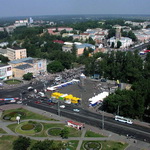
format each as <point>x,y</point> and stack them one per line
<point>37,102</point>
<point>30,88</point>
<point>76,110</point>
<point>41,94</point>
<point>62,106</point>
<point>19,102</point>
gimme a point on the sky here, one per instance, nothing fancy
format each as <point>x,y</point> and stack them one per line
<point>69,7</point>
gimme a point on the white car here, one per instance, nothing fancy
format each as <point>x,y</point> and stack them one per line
<point>62,106</point>
<point>19,102</point>
<point>58,78</point>
<point>76,110</point>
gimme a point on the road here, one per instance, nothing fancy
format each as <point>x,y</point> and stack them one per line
<point>84,116</point>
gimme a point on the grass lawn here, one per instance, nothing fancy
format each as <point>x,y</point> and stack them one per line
<point>13,81</point>
<point>93,134</point>
<point>7,140</point>
<point>2,131</point>
<point>55,131</point>
<point>72,131</point>
<point>110,145</point>
<point>72,145</point>
<point>28,114</point>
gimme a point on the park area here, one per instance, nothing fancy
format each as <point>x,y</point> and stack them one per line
<point>40,127</point>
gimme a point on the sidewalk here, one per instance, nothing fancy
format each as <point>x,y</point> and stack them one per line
<point>133,144</point>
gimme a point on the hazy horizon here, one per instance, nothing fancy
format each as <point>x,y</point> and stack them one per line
<point>66,7</point>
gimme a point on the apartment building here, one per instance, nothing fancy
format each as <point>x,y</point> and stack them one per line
<point>16,53</point>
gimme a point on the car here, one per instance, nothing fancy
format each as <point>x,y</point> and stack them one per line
<point>50,103</point>
<point>37,102</point>
<point>58,78</point>
<point>76,110</point>
<point>62,106</point>
<point>19,102</point>
<point>30,88</point>
<point>103,80</point>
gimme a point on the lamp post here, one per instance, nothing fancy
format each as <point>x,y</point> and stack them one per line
<point>118,110</point>
<point>103,120</point>
<point>58,108</point>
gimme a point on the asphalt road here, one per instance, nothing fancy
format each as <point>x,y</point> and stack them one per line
<point>84,116</point>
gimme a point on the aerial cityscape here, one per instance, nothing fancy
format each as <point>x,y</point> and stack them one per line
<point>75,75</point>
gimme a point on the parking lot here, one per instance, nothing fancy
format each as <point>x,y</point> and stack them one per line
<point>88,90</point>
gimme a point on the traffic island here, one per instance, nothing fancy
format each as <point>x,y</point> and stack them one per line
<point>13,81</point>
<point>92,145</point>
<point>107,145</point>
<point>54,131</point>
<point>29,128</point>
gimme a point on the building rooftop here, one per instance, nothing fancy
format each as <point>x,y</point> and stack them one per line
<point>28,59</point>
<point>24,66</point>
<point>16,48</point>
<point>3,65</point>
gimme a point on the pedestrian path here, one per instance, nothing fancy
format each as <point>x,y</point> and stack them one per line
<point>82,138</point>
<point>138,145</point>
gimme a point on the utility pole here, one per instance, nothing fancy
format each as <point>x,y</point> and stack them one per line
<point>118,110</point>
<point>58,108</point>
<point>103,120</point>
<point>21,96</point>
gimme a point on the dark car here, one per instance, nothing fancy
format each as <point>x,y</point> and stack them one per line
<point>51,104</point>
<point>103,80</point>
<point>37,102</point>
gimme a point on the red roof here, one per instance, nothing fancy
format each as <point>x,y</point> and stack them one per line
<point>58,41</point>
<point>75,123</point>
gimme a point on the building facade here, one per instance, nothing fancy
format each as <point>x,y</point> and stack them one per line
<point>28,65</point>
<point>16,53</point>
<point>5,71</point>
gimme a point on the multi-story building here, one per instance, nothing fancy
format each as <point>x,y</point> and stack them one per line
<point>5,71</point>
<point>16,53</point>
<point>3,52</point>
<point>29,64</point>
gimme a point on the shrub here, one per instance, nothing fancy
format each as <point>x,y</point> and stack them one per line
<point>7,117</point>
<point>28,126</point>
<point>38,127</point>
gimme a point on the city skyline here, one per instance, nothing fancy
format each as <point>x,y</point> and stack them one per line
<point>67,7</point>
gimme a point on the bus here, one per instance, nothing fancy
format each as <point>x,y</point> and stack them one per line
<point>122,119</point>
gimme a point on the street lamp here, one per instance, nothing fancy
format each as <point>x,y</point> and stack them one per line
<point>103,120</point>
<point>58,108</point>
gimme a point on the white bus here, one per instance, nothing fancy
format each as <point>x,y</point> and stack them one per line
<point>122,119</point>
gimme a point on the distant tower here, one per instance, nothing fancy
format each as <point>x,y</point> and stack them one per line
<point>30,20</point>
<point>118,32</point>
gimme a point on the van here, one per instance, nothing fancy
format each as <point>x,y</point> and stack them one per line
<point>41,94</point>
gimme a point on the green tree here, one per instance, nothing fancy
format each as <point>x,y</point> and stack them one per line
<point>111,33</point>
<point>64,133</point>
<point>28,76</point>
<point>22,143</point>
<point>112,45</point>
<point>48,145</point>
<point>119,44</point>
<point>4,59</point>
<point>55,66</point>
<point>132,36</point>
